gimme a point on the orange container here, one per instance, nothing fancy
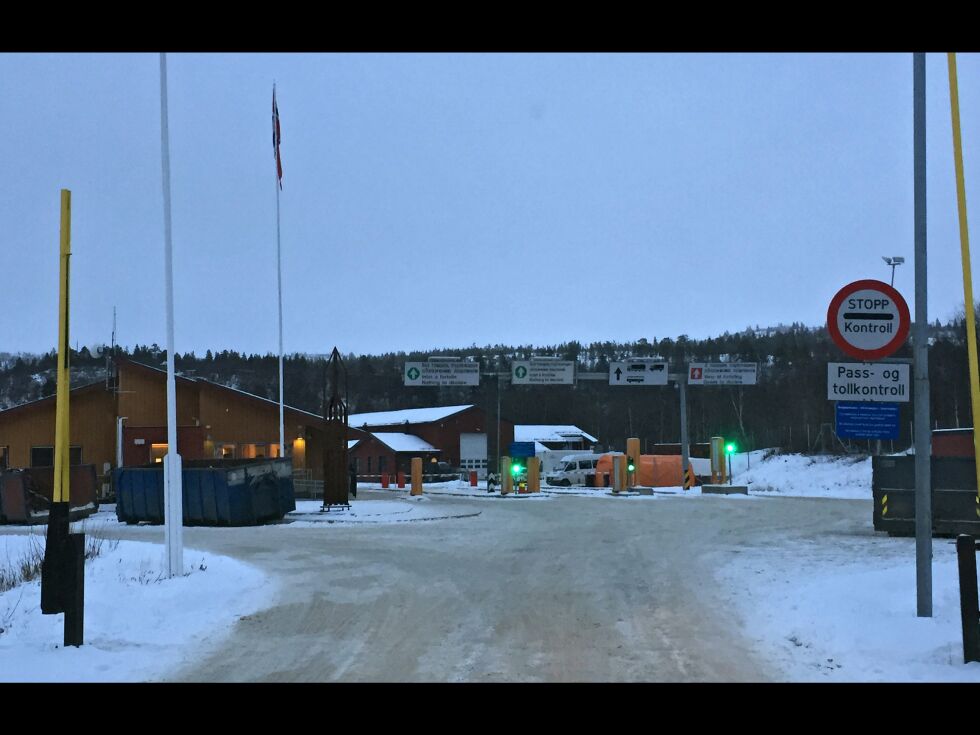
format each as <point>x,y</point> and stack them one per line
<point>652,470</point>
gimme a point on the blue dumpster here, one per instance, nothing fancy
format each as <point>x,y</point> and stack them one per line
<point>216,492</point>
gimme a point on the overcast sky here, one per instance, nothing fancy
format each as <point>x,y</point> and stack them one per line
<point>437,200</point>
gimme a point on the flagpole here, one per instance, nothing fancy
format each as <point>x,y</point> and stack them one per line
<point>282,433</point>
<point>173,513</point>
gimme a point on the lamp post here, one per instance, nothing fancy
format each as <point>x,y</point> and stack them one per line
<point>893,261</point>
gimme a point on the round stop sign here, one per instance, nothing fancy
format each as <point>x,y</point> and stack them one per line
<point>868,319</point>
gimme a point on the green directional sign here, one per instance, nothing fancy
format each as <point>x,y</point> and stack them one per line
<point>543,372</point>
<point>436,373</point>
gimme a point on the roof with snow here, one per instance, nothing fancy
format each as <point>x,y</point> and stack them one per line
<point>405,416</point>
<point>404,442</point>
<point>550,433</point>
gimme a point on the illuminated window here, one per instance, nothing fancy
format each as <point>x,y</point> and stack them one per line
<point>258,451</point>
<point>157,451</point>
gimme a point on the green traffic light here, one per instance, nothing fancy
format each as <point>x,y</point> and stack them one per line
<point>515,469</point>
<point>730,448</point>
<point>630,466</point>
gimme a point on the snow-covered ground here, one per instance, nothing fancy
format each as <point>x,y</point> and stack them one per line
<point>818,607</point>
<point>459,488</point>
<point>394,510</point>
<point>138,626</point>
<point>798,475</point>
<point>844,610</point>
<point>847,612</point>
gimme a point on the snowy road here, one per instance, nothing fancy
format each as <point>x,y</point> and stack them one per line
<point>570,589</point>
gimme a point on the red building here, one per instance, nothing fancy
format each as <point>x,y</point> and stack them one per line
<point>457,435</point>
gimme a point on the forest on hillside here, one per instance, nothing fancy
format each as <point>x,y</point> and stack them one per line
<point>787,409</point>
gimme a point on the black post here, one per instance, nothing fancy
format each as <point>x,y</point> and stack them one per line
<point>75,607</point>
<point>966,553</point>
<point>63,574</point>
<point>54,585</point>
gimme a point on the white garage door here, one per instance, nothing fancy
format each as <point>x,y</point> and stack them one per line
<point>473,453</point>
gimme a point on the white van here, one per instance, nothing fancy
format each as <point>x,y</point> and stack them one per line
<point>574,469</point>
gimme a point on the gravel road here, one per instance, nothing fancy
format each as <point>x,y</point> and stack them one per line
<point>552,590</point>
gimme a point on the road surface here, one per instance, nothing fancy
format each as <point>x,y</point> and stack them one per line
<point>551,590</point>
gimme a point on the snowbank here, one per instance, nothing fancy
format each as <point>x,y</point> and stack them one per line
<point>845,619</point>
<point>804,476</point>
<point>417,508</point>
<point>139,626</point>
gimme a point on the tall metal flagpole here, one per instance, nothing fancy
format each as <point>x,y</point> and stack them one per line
<point>275,142</point>
<point>920,341</point>
<point>173,504</point>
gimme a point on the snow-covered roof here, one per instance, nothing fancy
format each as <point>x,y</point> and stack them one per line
<point>408,415</point>
<point>550,433</point>
<point>404,442</point>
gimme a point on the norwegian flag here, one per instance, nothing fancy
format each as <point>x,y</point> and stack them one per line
<point>276,136</point>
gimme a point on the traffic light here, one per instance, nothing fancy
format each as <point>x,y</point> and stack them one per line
<point>730,448</point>
<point>516,467</point>
<point>630,465</point>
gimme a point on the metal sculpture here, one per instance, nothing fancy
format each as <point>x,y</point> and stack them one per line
<point>336,482</point>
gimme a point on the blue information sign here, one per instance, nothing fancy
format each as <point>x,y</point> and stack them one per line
<point>521,449</point>
<point>867,420</point>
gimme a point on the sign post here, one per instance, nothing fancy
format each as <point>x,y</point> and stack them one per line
<point>638,371</point>
<point>881,382</point>
<point>542,372</point>
<point>722,373</point>
<point>868,319</point>
<point>436,373</point>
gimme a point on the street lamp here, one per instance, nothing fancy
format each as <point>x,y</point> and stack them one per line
<point>893,261</point>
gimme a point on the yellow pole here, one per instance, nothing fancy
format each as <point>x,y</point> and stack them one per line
<point>61,437</point>
<point>633,450</point>
<point>506,479</point>
<point>533,474</point>
<point>416,476</point>
<point>971,324</point>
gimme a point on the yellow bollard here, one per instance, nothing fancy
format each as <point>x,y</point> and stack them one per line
<point>718,467</point>
<point>416,476</point>
<point>633,450</point>
<point>506,479</point>
<point>533,475</point>
<point>621,461</point>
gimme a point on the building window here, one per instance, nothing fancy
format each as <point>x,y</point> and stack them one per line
<point>224,450</point>
<point>369,465</point>
<point>382,464</point>
<point>157,452</point>
<point>4,458</point>
<point>44,456</point>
